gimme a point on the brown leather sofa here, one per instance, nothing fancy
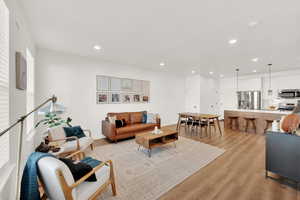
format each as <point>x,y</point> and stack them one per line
<point>133,126</point>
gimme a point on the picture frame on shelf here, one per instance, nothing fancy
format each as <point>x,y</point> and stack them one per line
<point>115,98</point>
<point>127,98</point>
<point>145,99</point>
<point>136,98</point>
<point>102,98</point>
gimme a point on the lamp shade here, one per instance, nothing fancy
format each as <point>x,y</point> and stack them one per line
<point>53,108</point>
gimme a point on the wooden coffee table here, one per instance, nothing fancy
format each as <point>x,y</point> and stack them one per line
<point>149,140</point>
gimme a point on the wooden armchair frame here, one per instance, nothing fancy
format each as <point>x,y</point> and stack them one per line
<point>77,142</point>
<point>67,189</point>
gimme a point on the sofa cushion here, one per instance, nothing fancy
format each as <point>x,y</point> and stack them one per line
<point>119,123</point>
<point>144,119</point>
<point>134,128</point>
<point>136,117</point>
<point>74,131</point>
<point>79,169</point>
<point>151,118</point>
<point>121,116</point>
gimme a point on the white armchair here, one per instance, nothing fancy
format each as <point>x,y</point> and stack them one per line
<point>59,184</point>
<point>78,144</point>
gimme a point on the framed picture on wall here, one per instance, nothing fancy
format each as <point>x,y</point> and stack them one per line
<point>21,72</point>
<point>102,98</point>
<point>137,86</point>
<point>114,90</point>
<point>146,88</point>
<point>103,83</point>
<point>145,99</point>
<point>115,84</point>
<point>127,84</point>
<point>115,97</point>
<point>127,98</point>
<point>136,98</point>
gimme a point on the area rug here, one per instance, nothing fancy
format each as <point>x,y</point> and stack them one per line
<point>140,177</point>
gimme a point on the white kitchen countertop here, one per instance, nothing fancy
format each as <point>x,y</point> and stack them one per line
<point>262,111</point>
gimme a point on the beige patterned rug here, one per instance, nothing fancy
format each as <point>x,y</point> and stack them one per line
<point>140,177</point>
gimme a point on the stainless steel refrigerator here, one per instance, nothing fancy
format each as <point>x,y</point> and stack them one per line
<point>250,100</point>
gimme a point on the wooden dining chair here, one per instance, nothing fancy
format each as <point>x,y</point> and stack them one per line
<point>208,124</point>
<point>182,120</point>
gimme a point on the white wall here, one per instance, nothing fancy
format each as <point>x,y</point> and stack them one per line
<point>209,95</point>
<point>192,93</point>
<point>73,80</point>
<point>20,39</point>
<point>202,94</point>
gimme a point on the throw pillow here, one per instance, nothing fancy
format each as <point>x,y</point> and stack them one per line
<point>124,122</point>
<point>119,123</point>
<point>74,131</point>
<point>151,118</point>
<point>112,119</point>
<point>79,170</point>
<point>144,120</point>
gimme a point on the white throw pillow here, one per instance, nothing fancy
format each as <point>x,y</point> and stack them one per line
<point>151,118</point>
<point>112,119</point>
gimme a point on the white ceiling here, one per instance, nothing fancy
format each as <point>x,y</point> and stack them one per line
<point>186,35</point>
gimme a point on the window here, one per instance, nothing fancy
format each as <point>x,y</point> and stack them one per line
<point>30,91</point>
<point>4,82</point>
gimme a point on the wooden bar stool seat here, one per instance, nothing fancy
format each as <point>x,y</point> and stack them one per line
<point>248,121</point>
<point>234,120</point>
<point>268,123</point>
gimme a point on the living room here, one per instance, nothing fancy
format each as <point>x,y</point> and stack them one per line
<point>156,100</point>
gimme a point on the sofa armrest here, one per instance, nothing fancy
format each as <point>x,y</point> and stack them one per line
<point>108,129</point>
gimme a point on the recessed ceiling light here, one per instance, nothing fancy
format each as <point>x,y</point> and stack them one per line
<point>211,73</point>
<point>162,64</point>
<point>193,71</point>
<point>252,24</point>
<point>232,41</point>
<point>221,75</point>
<point>97,47</point>
<point>254,59</point>
<point>254,71</point>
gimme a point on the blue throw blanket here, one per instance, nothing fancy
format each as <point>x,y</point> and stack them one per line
<point>91,162</point>
<point>29,184</point>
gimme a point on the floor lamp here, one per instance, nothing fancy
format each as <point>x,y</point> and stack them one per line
<point>21,121</point>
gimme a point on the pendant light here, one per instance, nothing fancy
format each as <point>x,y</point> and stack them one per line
<point>238,94</point>
<point>237,79</point>
<point>270,91</point>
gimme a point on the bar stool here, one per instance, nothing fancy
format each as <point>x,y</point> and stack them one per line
<point>251,120</point>
<point>235,120</point>
<point>268,123</point>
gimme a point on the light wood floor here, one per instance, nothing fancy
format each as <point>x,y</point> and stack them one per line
<point>236,175</point>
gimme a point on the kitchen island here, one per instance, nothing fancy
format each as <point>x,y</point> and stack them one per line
<point>261,117</point>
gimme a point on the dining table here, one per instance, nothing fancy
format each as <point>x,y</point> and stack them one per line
<point>206,118</point>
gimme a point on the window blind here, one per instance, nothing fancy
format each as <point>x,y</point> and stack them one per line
<point>4,82</point>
